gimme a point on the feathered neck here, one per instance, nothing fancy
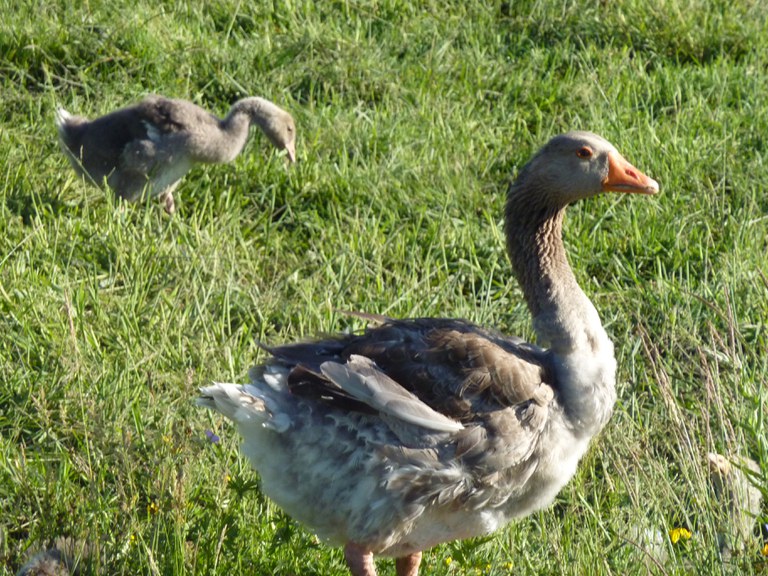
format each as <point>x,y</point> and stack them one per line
<point>233,129</point>
<point>253,110</point>
<point>563,316</point>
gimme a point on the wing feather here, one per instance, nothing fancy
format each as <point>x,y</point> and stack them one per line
<point>424,378</point>
<point>364,381</point>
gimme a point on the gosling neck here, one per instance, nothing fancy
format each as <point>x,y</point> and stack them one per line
<point>234,127</point>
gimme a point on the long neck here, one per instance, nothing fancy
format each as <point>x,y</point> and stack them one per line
<point>563,317</point>
<point>234,128</point>
<point>258,110</point>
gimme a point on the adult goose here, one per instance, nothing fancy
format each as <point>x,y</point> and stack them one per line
<point>417,432</point>
<point>150,146</point>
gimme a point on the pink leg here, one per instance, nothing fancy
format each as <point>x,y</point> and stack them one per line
<point>359,559</point>
<point>408,565</point>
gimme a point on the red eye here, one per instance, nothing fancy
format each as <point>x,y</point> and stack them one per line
<point>584,152</point>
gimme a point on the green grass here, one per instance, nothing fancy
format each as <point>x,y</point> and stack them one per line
<point>412,117</point>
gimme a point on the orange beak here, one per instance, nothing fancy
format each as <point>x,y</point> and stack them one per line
<point>623,177</point>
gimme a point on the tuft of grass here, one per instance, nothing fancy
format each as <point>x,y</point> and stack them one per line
<point>412,118</point>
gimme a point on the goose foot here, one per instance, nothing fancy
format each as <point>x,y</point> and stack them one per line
<point>359,559</point>
<point>408,565</point>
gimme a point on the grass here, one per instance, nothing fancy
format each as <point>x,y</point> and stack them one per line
<point>412,117</point>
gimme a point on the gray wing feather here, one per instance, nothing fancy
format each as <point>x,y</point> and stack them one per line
<point>361,378</point>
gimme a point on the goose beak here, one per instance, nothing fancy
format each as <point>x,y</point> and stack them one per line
<point>291,150</point>
<point>623,177</point>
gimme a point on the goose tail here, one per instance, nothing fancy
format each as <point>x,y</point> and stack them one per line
<point>62,118</point>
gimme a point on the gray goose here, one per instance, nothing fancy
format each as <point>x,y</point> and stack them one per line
<point>422,431</point>
<point>150,146</point>
<point>740,501</point>
<point>48,563</point>
<point>66,557</point>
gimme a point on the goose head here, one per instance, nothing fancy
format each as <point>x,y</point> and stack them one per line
<point>276,124</point>
<point>568,168</point>
<point>280,128</point>
<point>578,165</point>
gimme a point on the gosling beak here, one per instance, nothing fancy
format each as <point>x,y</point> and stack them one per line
<point>291,150</point>
<point>623,177</point>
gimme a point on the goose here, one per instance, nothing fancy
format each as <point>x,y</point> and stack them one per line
<point>150,146</point>
<point>739,500</point>
<point>48,563</point>
<point>416,432</point>
<point>64,558</point>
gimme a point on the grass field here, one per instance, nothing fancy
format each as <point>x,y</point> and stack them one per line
<point>412,117</point>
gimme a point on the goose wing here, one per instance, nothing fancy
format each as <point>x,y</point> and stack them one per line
<point>490,394</point>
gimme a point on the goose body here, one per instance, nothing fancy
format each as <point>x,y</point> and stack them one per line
<point>150,146</point>
<point>417,432</point>
<point>52,562</point>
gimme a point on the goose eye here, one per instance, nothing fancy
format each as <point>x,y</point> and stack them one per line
<point>584,152</point>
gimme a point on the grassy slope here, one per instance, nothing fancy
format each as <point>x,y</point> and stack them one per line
<point>411,116</point>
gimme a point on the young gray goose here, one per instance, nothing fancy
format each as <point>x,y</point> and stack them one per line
<point>66,557</point>
<point>48,563</point>
<point>740,501</point>
<point>418,432</point>
<point>153,144</point>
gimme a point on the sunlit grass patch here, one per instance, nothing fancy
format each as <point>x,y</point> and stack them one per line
<point>411,118</point>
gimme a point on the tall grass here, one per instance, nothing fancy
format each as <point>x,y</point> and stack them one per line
<point>412,117</point>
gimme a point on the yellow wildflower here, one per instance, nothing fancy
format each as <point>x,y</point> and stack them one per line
<point>508,565</point>
<point>153,508</point>
<point>677,534</point>
<point>764,551</point>
<point>448,561</point>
